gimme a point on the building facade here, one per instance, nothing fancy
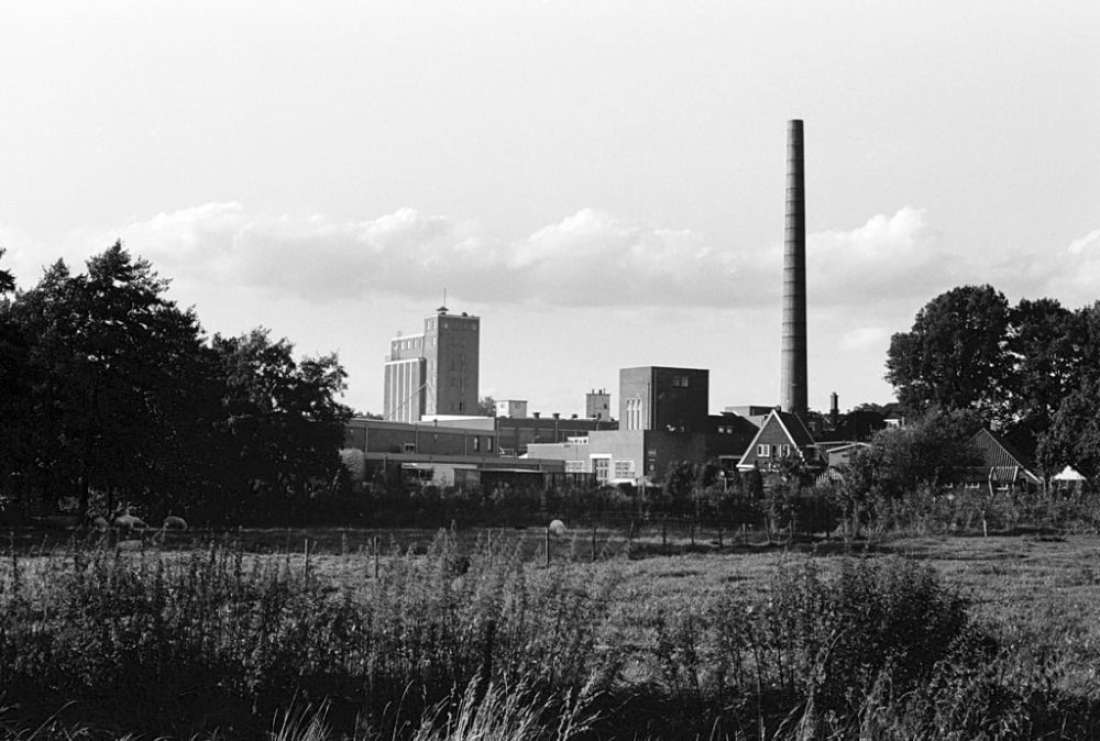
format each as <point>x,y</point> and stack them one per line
<point>440,454</point>
<point>597,404</point>
<point>435,372</point>
<point>668,399</point>
<point>511,408</point>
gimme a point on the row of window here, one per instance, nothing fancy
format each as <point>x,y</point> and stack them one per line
<point>765,450</point>
<point>603,468</point>
<point>411,447</point>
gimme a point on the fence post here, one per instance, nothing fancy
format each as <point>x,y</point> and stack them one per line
<point>547,546</point>
<point>374,549</point>
<point>305,550</point>
<point>593,544</point>
<point>664,535</point>
<point>693,534</point>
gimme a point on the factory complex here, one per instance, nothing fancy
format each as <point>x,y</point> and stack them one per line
<point>433,430</point>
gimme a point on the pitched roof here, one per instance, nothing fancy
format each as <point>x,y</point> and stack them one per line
<point>796,429</point>
<point>995,451</point>
<point>792,427</point>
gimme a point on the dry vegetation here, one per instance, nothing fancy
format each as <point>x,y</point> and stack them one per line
<point>471,635</point>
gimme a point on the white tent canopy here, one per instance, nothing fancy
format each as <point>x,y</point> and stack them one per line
<point>1069,474</point>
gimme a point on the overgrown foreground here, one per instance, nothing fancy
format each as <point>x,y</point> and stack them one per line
<point>479,644</point>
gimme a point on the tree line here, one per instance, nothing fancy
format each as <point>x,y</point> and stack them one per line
<point>111,394</point>
<point>1029,370</point>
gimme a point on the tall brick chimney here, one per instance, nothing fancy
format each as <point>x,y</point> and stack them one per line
<point>793,375</point>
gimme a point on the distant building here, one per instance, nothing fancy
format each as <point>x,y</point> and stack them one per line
<point>511,408</point>
<point>781,436</point>
<point>660,398</point>
<point>1002,466</point>
<point>637,457</point>
<point>517,433</point>
<point>435,372</point>
<point>597,404</point>
<point>440,453</point>
<point>663,420</point>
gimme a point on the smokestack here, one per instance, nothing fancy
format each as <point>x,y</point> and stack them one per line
<point>793,383</point>
<point>834,408</point>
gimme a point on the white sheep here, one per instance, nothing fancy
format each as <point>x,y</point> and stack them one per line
<point>556,528</point>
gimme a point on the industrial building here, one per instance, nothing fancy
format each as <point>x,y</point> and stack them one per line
<point>663,421</point>
<point>597,404</point>
<point>440,453</point>
<point>434,372</point>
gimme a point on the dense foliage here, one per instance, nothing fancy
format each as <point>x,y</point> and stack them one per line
<point>111,394</point>
<point>1032,370</point>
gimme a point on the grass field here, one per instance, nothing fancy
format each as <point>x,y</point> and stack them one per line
<point>646,611</point>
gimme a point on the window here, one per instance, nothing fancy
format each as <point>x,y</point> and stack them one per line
<point>601,468</point>
<point>624,469</point>
<point>633,414</point>
<point>680,382</point>
<point>488,445</point>
<point>575,467</point>
<point>477,443</point>
<point>410,447</point>
<point>764,450</point>
<point>784,451</point>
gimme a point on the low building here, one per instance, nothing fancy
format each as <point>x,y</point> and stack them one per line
<point>637,457</point>
<point>441,453</point>
<point>1002,466</point>
<point>782,435</point>
<point>511,408</point>
<point>517,434</point>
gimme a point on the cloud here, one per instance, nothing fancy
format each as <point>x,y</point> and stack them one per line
<point>1072,274</point>
<point>886,259</point>
<point>1089,241</point>
<point>863,338</point>
<point>589,258</point>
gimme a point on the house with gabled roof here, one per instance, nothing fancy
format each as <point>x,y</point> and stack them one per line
<point>1002,466</point>
<point>781,435</point>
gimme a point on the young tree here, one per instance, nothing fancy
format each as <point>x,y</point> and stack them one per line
<point>931,451</point>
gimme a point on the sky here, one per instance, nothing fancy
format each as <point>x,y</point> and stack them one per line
<point>601,181</point>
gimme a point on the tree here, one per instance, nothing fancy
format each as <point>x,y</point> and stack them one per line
<point>283,418</point>
<point>1073,437</point>
<point>113,380</point>
<point>954,356</point>
<point>487,407</point>
<point>1043,345</point>
<point>7,281</point>
<point>15,448</point>
<point>931,451</point>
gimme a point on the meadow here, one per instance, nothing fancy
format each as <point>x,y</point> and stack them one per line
<point>470,634</point>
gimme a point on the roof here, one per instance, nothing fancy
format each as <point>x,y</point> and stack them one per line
<point>796,429</point>
<point>995,451</point>
<point>793,428</point>
<point>1069,473</point>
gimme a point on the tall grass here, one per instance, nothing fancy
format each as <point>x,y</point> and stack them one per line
<point>476,643</point>
<point>156,643</point>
